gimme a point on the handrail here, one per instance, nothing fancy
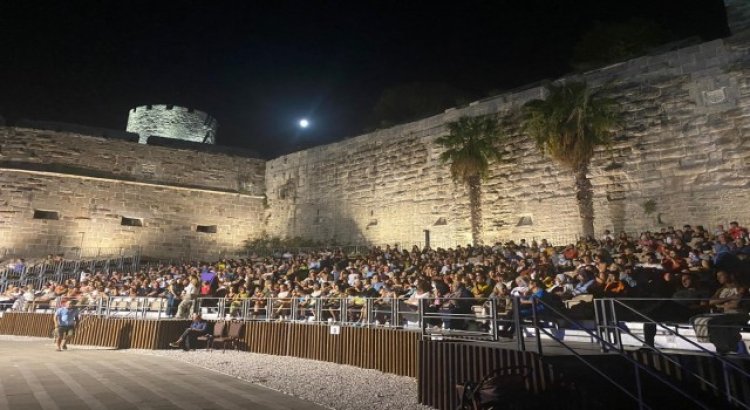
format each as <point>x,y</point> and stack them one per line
<point>725,363</point>
<point>666,357</point>
<point>635,363</point>
<point>718,357</point>
<point>599,372</point>
<point>391,313</point>
<point>362,312</point>
<point>490,317</point>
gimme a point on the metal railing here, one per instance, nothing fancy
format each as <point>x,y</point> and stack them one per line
<point>59,271</point>
<point>69,252</point>
<point>467,318</point>
<point>638,367</point>
<point>464,318</point>
<point>611,330</point>
<point>442,319</point>
<point>542,318</point>
<point>356,311</point>
<point>366,312</point>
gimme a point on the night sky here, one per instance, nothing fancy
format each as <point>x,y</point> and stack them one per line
<point>258,67</point>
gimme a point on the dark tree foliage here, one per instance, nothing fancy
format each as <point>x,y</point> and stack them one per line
<point>612,42</point>
<point>407,102</point>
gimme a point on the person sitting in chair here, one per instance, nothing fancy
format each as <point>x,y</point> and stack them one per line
<point>458,302</point>
<point>722,328</point>
<point>188,339</point>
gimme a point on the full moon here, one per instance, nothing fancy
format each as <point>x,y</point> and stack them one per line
<point>304,123</point>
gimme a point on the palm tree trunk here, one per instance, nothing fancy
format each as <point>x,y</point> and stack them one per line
<point>475,208</point>
<point>585,197</point>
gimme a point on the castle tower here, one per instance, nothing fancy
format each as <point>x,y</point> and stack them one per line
<point>170,121</point>
<point>738,15</point>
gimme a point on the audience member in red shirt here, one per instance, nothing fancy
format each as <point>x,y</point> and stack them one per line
<point>205,289</point>
<point>736,231</point>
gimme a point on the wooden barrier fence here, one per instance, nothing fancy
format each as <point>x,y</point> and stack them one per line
<point>388,350</point>
<point>117,333</point>
<point>443,365</point>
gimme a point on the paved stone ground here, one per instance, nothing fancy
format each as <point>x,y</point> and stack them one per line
<point>35,376</point>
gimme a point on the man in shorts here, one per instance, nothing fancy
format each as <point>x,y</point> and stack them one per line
<point>65,323</point>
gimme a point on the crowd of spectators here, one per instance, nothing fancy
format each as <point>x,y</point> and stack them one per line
<point>680,264</point>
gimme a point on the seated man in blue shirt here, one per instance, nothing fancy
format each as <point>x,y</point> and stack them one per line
<point>188,339</point>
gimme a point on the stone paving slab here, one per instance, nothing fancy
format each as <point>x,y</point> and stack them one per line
<point>33,375</point>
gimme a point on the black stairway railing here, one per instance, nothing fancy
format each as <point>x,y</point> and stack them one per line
<point>638,368</point>
<point>611,330</point>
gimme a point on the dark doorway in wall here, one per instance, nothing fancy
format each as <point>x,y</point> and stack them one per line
<point>131,221</point>
<point>38,214</point>
<point>206,228</point>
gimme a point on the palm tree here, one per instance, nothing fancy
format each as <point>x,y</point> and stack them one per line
<point>470,148</point>
<point>568,126</point>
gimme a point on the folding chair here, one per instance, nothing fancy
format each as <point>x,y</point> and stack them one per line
<point>233,336</point>
<point>218,333</point>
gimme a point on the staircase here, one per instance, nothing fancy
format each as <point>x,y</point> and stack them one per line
<point>599,393</point>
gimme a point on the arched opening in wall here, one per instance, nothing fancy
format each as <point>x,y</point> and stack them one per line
<point>206,228</point>
<point>125,221</point>
<point>40,214</point>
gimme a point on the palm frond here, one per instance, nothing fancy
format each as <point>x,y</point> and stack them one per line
<point>570,123</point>
<point>470,146</point>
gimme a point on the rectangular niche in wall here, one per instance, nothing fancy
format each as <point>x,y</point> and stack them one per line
<point>525,221</point>
<point>206,228</point>
<point>39,214</point>
<point>131,221</point>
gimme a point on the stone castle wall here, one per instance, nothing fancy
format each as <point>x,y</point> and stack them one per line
<point>93,183</point>
<point>91,212</point>
<point>684,149</point>
<point>72,153</point>
<point>172,122</point>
